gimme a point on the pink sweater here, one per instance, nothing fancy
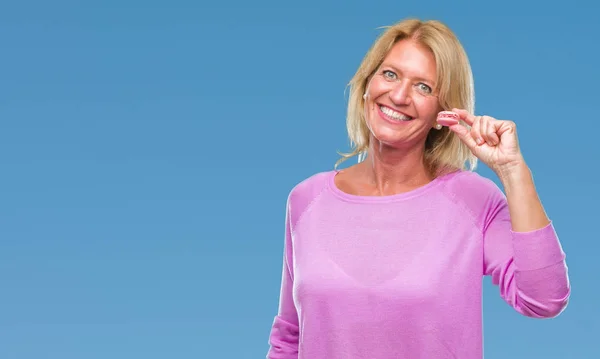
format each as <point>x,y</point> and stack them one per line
<point>401,276</point>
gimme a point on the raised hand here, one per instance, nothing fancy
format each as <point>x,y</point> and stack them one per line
<point>493,141</point>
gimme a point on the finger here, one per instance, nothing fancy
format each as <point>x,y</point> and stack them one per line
<point>505,126</point>
<point>465,116</point>
<point>488,132</point>
<point>476,131</point>
<point>493,126</point>
<point>484,127</point>
<point>464,134</point>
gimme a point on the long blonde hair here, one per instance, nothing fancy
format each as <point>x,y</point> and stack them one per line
<point>443,149</point>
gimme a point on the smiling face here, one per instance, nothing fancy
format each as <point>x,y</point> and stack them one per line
<point>401,104</point>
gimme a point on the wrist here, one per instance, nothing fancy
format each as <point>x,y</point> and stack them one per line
<point>513,173</point>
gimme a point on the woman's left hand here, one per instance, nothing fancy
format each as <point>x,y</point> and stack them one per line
<point>493,141</point>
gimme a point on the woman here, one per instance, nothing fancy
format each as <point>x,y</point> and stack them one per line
<point>385,259</point>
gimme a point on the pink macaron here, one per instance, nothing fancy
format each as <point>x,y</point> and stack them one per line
<point>447,118</point>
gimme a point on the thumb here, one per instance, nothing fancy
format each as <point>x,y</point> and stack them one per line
<point>464,134</point>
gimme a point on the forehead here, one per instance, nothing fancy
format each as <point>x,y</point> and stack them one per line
<point>412,60</point>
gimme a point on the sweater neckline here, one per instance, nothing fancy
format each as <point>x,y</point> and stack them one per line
<point>389,198</point>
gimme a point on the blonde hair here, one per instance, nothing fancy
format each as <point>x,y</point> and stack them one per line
<point>443,149</point>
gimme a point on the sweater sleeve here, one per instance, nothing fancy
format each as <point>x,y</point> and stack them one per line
<point>528,267</point>
<point>283,339</point>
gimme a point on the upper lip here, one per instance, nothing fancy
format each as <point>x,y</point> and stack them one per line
<point>395,109</point>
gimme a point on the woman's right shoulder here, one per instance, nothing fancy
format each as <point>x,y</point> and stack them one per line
<point>309,188</point>
<point>306,192</point>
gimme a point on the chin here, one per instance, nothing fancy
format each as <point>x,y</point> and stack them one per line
<point>388,136</point>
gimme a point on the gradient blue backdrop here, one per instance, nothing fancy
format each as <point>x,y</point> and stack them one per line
<point>147,150</point>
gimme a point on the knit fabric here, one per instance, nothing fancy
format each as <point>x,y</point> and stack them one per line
<point>401,276</point>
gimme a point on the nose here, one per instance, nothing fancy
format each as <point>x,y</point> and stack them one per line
<point>401,93</point>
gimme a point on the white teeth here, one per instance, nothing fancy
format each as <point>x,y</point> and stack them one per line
<point>395,115</point>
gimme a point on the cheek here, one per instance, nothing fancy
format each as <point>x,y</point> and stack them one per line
<point>374,123</point>
<point>428,108</point>
<point>370,115</point>
<point>377,87</point>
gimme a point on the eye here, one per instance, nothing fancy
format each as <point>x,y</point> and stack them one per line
<point>389,75</point>
<point>424,88</point>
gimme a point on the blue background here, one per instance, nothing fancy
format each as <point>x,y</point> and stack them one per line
<point>147,149</point>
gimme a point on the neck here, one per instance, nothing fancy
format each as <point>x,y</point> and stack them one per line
<point>393,170</point>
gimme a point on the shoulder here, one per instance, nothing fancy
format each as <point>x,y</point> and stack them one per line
<point>475,193</point>
<point>311,186</point>
<point>306,191</point>
<point>470,183</point>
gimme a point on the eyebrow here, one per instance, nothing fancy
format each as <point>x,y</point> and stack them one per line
<point>418,78</point>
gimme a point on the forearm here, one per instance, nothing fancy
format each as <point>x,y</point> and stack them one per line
<point>526,210</point>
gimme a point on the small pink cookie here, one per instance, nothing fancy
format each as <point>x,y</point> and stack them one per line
<point>447,118</point>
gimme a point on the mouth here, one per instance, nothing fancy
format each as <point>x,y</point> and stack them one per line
<point>393,115</point>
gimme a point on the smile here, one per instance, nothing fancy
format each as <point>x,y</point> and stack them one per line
<point>391,115</point>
